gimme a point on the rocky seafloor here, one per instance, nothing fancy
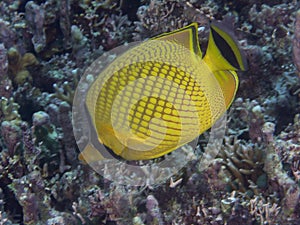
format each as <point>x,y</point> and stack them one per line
<point>45,47</point>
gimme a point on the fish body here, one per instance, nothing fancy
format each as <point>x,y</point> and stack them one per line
<point>161,94</point>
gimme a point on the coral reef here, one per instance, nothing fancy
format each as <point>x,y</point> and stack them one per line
<point>244,163</point>
<point>17,66</point>
<point>164,16</point>
<point>45,47</point>
<point>35,17</point>
<point>296,42</point>
<point>5,82</point>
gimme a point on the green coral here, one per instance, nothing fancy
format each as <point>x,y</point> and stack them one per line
<point>9,110</point>
<point>17,66</point>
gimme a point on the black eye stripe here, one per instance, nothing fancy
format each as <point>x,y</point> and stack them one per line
<point>225,49</point>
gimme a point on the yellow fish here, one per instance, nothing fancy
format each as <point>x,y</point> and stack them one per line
<point>161,94</point>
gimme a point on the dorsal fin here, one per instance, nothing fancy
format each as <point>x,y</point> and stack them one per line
<point>186,36</point>
<point>223,52</point>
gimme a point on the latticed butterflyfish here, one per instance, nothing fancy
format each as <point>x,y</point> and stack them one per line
<point>162,94</point>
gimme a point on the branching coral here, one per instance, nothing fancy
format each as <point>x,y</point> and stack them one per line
<point>104,24</point>
<point>57,70</point>
<point>42,21</point>
<point>244,163</point>
<point>31,194</point>
<point>20,172</point>
<point>270,17</point>
<point>264,211</point>
<point>65,92</point>
<point>114,206</point>
<point>17,66</point>
<point>164,16</point>
<point>270,28</point>
<point>272,25</point>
